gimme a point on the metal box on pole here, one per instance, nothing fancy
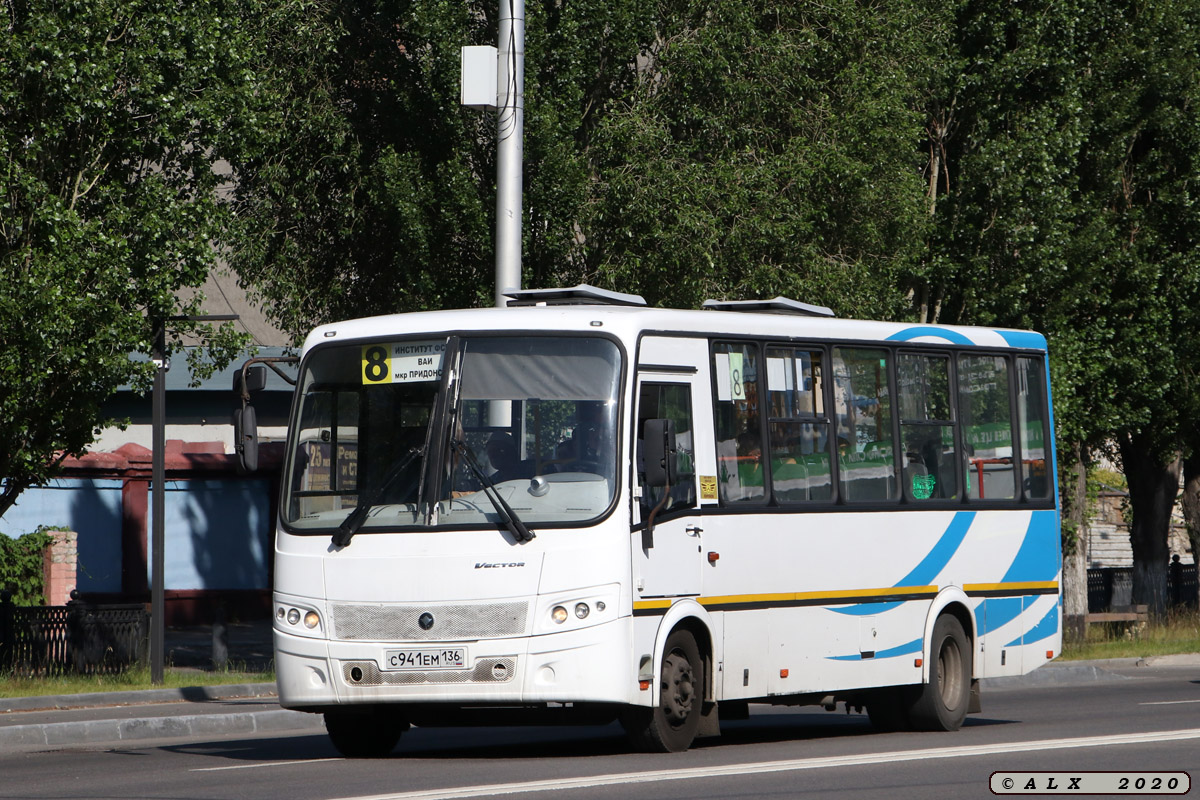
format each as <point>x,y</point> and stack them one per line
<point>478,85</point>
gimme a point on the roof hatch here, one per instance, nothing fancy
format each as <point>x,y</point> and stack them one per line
<point>581,295</point>
<point>777,305</point>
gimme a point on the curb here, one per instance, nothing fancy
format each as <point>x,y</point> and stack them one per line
<point>97,731</point>
<point>188,694</point>
<point>1055,676</point>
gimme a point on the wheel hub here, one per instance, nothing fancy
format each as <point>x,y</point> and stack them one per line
<point>678,689</point>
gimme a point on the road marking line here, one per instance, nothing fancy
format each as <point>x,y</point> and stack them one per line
<point>1168,702</point>
<point>266,764</point>
<point>559,784</point>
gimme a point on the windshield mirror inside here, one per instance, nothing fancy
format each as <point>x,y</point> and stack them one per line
<point>538,415</point>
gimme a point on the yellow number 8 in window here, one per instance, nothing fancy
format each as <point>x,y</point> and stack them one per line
<point>376,364</point>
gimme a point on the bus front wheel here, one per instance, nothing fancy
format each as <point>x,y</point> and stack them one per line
<point>941,704</point>
<point>670,725</point>
<point>371,734</point>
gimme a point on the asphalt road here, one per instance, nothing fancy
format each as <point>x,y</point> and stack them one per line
<point>1122,718</point>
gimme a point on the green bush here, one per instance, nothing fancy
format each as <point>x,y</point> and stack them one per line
<point>21,566</point>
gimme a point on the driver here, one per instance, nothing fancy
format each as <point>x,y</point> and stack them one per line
<point>502,455</point>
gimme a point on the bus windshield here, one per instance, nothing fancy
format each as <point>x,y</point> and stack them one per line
<point>530,418</point>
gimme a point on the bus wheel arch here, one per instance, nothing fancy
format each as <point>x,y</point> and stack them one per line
<point>952,601</point>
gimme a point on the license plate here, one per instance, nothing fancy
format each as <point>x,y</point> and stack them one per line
<point>431,658</point>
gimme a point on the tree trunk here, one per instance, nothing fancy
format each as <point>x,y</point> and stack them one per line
<point>1153,487</point>
<point>1191,506</point>
<point>1073,490</point>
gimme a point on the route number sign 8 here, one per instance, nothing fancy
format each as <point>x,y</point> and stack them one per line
<point>376,364</point>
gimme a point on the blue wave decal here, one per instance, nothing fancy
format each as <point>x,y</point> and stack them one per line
<point>1047,626</point>
<point>917,332</point>
<point>924,573</point>
<point>1037,560</point>
<point>996,613</point>
<point>899,650</point>
<point>1028,339</point>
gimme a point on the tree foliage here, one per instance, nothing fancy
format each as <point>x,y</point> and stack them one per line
<point>768,149</point>
<point>681,150</point>
<point>22,566</point>
<point>111,124</point>
<point>1073,146</point>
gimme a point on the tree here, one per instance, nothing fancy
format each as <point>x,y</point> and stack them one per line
<point>1140,169</point>
<point>1073,141</point>
<point>764,150</point>
<point>680,150</point>
<point>1005,136</point>
<point>111,124</point>
<point>368,188</point>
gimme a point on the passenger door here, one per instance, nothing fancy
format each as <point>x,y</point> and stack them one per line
<point>668,557</point>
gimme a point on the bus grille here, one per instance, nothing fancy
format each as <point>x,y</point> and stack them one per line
<point>450,622</point>
<point>486,670</point>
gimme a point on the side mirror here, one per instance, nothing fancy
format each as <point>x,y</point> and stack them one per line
<point>245,437</point>
<point>250,379</point>
<point>660,453</point>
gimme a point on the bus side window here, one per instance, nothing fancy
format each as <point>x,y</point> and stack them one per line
<point>798,426</point>
<point>671,401</point>
<point>927,427</point>
<point>1031,406</point>
<point>864,424</point>
<point>740,476</point>
<point>983,403</point>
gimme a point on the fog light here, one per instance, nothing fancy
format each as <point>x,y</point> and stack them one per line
<point>559,614</point>
<point>311,620</point>
<point>293,616</point>
<point>582,610</point>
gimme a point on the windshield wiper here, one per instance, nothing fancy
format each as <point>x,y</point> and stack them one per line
<point>511,521</point>
<point>355,519</point>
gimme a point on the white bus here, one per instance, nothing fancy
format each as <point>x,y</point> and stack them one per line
<point>580,508</point>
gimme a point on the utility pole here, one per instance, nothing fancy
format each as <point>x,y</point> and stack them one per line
<point>158,484</point>
<point>157,504</point>
<point>510,133</point>
<point>495,78</point>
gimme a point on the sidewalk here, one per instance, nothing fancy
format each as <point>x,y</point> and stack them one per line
<point>163,713</point>
<point>109,717</point>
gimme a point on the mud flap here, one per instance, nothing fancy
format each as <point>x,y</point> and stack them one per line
<point>710,723</point>
<point>974,705</point>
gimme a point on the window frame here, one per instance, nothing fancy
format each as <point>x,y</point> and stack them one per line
<point>771,502</point>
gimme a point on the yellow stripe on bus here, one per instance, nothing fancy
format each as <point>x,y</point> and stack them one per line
<point>792,597</point>
<point>1031,586</point>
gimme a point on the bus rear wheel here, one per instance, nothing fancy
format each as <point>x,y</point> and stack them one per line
<point>670,725</point>
<point>364,734</point>
<point>941,704</point>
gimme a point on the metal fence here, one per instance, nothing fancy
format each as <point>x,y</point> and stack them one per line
<point>79,637</point>
<point>1112,588</point>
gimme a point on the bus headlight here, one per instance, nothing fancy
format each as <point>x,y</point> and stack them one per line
<point>559,614</point>
<point>299,618</point>
<point>582,610</point>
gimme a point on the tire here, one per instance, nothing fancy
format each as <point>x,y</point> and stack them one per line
<point>372,734</point>
<point>671,725</point>
<point>888,710</point>
<point>941,704</point>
